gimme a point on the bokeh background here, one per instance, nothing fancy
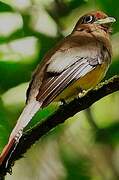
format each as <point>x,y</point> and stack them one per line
<point>86,147</point>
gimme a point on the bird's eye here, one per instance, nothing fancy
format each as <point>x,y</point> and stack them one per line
<point>88,19</point>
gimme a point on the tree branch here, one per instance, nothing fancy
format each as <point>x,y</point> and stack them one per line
<point>62,114</point>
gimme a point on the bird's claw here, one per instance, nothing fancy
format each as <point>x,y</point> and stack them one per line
<point>63,102</point>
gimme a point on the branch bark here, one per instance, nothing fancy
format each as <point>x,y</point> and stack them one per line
<point>61,115</point>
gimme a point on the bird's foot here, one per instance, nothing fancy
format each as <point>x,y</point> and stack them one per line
<point>82,92</point>
<point>63,102</point>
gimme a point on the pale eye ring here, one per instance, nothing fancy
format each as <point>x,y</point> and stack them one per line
<point>88,19</point>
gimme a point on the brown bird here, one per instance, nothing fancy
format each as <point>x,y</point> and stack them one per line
<point>79,61</point>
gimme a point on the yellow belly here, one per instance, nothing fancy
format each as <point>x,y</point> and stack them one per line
<point>89,81</point>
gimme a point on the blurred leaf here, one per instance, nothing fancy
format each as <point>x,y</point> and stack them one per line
<point>16,50</point>
<point>108,135</point>
<point>77,168</point>
<point>15,97</point>
<point>105,111</point>
<point>42,22</point>
<point>17,61</point>
<point>5,7</point>
<point>9,23</point>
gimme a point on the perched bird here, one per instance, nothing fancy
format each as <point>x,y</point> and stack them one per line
<point>78,62</point>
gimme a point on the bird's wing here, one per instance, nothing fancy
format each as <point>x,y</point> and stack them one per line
<point>58,65</point>
<point>54,83</point>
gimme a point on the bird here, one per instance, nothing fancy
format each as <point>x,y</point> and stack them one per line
<point>78,62</point>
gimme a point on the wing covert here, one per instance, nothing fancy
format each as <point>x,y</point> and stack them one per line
<point>53,84</point>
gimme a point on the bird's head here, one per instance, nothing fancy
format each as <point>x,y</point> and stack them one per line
<point>93,21</point>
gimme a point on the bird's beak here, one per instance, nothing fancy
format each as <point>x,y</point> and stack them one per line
<point>107,20</point>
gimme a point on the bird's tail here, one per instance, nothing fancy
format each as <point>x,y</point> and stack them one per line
<point>29,111</point>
